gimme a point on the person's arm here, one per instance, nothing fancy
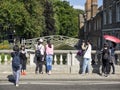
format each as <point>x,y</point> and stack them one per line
<point>84,47</point>
<point>12,55</point>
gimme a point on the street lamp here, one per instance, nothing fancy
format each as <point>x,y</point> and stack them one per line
<point>85,19</point>
<point>14,37</point>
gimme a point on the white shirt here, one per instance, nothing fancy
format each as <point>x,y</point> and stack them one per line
<point>88,52</point>
<point>41,48</point>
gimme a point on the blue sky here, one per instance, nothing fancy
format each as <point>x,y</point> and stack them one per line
<point>79,4</point>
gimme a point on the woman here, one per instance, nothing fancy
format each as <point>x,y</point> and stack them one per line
<point>112,57</point>
<point>39,57</point>
<point>105,60</point>
<point>16,64</point>
<point>24,60</point>
<point>87,58</point>
<point>49,56</point>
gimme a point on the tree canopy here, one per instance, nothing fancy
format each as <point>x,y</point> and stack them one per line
<point>34,18</point>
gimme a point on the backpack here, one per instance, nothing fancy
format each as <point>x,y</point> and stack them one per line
<point>16,61</point>
<point>106,54</point>
<point>38,53</point>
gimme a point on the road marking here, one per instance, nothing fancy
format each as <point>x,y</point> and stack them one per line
<point>63,82</point>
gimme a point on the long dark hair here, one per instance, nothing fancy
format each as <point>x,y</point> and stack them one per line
<point>49,43</point>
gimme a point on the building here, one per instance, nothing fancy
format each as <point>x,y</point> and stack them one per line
<point>111,18</point>
<point>93,23</point>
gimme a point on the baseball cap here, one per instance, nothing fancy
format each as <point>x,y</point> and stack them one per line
<point>40,40</point>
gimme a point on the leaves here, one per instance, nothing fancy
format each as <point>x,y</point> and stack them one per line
<point>34,18</point>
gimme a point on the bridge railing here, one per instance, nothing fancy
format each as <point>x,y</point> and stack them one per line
<point>64,60</point>
<point>61,57</point>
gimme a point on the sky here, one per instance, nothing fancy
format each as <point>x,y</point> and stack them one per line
<point>79,4</point>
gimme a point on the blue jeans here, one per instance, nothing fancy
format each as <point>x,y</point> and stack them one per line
<point>49,59</point>
<point>16,74</point>
<point>86,65</point>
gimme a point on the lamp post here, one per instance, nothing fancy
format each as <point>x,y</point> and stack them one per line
<point>85,19</point>
<point>14,38</point>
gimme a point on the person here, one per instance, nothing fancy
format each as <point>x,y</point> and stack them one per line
<point>24,60</point>
<point>112,57</point>
<point>16,64</point>
<point>105,60</point>
<point>40,59</point>
<point>83,46</point>
<point>87,58</point>
<point>49,48</point>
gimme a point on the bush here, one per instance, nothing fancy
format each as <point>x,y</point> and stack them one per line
<point>4,45</point>
<point>2,57</point>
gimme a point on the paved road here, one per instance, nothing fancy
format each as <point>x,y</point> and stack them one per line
<point>62,85</point>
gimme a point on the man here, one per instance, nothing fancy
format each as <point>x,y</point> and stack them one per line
<point>87,58</point>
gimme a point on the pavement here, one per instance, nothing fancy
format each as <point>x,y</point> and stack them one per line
<point>6,73</point>
<point>55,76</point>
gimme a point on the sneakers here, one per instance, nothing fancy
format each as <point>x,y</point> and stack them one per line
<point>17,85</point>
<point>113,72</point>
<point>23,73</point>
<point>49,73</point>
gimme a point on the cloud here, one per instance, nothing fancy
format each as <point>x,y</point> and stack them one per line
<point>78,7</point>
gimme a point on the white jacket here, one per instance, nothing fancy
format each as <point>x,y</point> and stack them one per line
<point>41,48</point>
<point>88,52</point>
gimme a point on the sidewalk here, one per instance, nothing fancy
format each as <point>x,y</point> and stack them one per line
<point>32,76</point>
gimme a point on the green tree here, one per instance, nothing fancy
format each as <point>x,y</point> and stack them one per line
<point>23,16</point>
<point>49,18</point>
<point>67,17</point>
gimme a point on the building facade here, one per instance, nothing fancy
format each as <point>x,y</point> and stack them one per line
<point>111,18</point>
<point>101,21</point>
<point>93,23</point>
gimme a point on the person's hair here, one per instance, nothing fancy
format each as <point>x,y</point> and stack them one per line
<point>39,43</point>
<point>49,43</point>
<point>23,47</point>
<point>88,41</point>
<point>16,48</point>
<point>105,45</point>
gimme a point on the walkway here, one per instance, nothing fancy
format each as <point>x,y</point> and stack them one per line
<point>32,76</point>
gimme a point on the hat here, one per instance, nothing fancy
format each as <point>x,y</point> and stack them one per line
<point>40,40</point>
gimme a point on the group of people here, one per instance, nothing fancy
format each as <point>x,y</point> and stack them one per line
<point>20,59</point>
<point>44,56</point>
<point>108,58</point>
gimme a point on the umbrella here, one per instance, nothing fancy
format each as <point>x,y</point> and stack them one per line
<point>112,38</point>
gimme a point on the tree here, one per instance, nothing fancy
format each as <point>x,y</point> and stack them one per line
<point>66,19</point>
<point>49,18</point>
<point>23,16</point>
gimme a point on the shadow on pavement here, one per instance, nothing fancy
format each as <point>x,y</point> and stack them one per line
<point>11,78</point>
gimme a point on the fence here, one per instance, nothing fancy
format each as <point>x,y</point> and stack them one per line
<point>66,61</point>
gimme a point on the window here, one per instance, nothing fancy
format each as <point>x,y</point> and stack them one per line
<point>118,12</point>
<point>95,25</point>
<point>104,17</point>
<point>110,16</point>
